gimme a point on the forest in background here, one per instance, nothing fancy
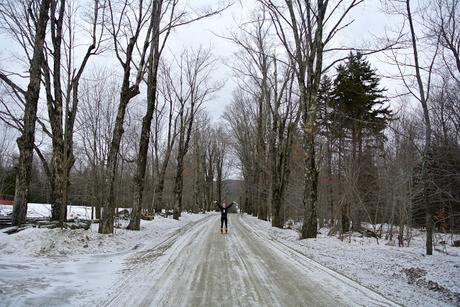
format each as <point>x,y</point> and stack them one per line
<point>310,128</point>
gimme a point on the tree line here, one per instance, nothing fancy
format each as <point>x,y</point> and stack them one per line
<point>320,140</point>
<point>313,132</point>
<point>58,40</point>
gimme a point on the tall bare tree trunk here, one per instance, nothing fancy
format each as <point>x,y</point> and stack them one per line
<point>304,43</point>
<point>178,187</point>
<point>219,156</point>
<point>426,149</point>
<point>283,127</point>
<point>330,190</point>
<point>186,123</point>
<point>27,139</point>
<point>309,101</point>
<point>62,101</point>
<point>261,147</point>
<point>208,165</point>
<point>184,139</point>
<point>310,198</point>
<point>191,93</point>
<point>55,107</point>
<point>164,165</point>
<point>127,92</point>
<point>219,167</point>
<point>277,218</point>
<point>139,178</point>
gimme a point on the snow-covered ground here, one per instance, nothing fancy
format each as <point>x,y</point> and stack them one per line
<point>203,267</point>
<point>61,267</point>
<point>403,274</point>
<point>44,210</point>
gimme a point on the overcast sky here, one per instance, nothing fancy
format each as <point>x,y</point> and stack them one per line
<point>369,23</point>
<point>207,33</point>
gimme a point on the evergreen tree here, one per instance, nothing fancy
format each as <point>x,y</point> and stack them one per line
<point>358,100</point>
<point>357,112</point>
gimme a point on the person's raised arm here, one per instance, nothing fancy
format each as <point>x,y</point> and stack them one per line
<point>217,204</point>
<point>230,205</point>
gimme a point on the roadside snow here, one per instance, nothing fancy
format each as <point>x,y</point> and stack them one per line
<point>44,210</point>
<point>404,274</point>
<point>33,210</point>
<point>66,242</point>
<point>56,267</point>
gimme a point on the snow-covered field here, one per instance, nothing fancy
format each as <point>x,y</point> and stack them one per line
<point>403,274</point>
<point>61,267</point>
<point>44,210</point>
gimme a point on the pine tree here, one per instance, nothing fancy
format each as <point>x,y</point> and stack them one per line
<point>358,100</point>
<point>357,111</point>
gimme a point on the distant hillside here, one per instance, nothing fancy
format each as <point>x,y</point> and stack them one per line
<point>232,190</point>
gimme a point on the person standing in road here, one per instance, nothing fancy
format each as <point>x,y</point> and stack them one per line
<point>223,218</point>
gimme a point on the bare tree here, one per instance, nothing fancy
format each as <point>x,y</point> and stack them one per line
<point>405,131</point>
<point>443,27</point>
<point>208,167</point>
<point>304,21</point>
<point>204,149</point>
<point>286,115</point>
<point>220,151</point>
<point>152,69</point>
<point>95,125</point>
<point>241,118</point>
<point>191,90</point>
<point>209,170</point>
<point>257,55</point>
<point>167,92</point>
<point>30,98</point>
<point>276,116</point>
<point>156,49</point>
<point>423,69</point>
<point>61,80</point>
<point>127,22</point>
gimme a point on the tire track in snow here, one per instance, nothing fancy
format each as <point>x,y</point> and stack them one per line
<point>141,268</point>
<point>285,284</point>
<point>178,274</point>
<point>201,267</point>
<point>369,297</point>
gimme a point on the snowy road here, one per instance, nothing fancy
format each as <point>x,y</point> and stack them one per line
<point>201,267</point>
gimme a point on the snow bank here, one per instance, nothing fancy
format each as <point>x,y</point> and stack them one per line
<point>33,210</point>
<point>403,274</point>
<point>62,242</point>
<point>44,210</point>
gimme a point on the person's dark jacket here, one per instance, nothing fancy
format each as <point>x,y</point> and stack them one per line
<point>223,210</point>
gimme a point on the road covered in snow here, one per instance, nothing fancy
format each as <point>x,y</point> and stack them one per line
<point>202,267</point>
<point>189,263</point>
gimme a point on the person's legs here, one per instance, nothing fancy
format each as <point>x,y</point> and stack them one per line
<point>225,225</point>
<point>221,225</point>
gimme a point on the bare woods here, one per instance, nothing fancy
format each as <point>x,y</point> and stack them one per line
<point>107,115</point>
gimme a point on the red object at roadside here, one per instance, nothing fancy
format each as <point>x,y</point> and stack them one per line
<point>6,200</point>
